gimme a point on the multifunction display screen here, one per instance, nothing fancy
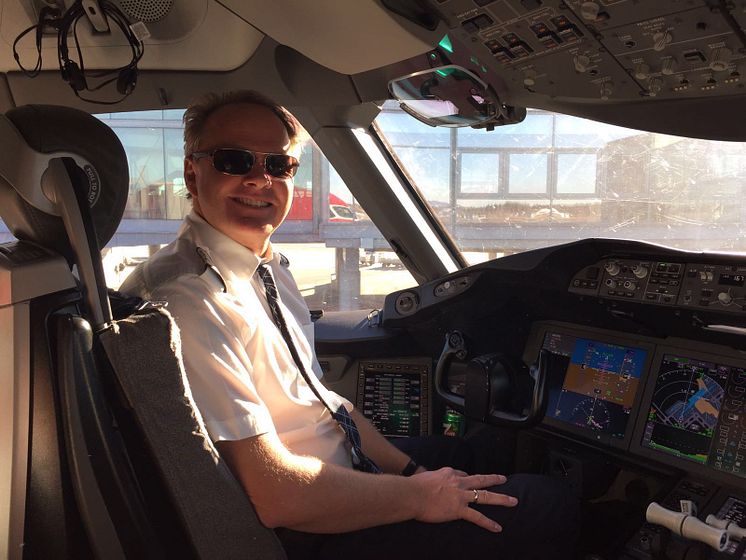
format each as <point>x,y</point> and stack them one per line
<point>697,413</point>
<point>394,397</point>
<point>593,384</point>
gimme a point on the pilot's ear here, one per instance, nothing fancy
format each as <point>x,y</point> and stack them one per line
<point>189,176</point>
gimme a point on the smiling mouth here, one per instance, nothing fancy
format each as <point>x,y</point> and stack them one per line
<point>252,202</point>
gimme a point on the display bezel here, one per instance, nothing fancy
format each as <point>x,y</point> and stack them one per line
<point>697,351</point>
<point>536,342</point>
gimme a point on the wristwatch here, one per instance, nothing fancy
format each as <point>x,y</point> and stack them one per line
<point>410,469</point>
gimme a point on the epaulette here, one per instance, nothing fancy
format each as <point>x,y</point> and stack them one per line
<point>211,271</point>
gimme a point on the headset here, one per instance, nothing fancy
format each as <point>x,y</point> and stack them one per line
<point>73,71</point>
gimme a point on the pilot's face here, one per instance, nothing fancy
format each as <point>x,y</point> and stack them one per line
<point>247,208</point>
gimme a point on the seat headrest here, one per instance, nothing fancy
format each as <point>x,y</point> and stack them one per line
<point>102,165</point>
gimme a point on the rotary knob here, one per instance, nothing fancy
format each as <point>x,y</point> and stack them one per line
<point>720,59</point>
<point>642,71</point>
<point>629,285</point>
<point>529,78</point>
<point>612,268</point>
<point>639,271</point>
<point>668,66</point>
<point>655,86</point>
<point>725,298</point>
<point>581,63</point>
<point>607,88</point>
<point>589,11</point>
<point>661,40</point>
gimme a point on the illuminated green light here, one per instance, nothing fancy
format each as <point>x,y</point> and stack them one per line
<point>445,72</point>
<point>445,44</point>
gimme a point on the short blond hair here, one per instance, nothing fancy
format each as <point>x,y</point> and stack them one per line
<point>200,110</point>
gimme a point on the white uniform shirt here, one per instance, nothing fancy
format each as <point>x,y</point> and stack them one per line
<point>241,372</point>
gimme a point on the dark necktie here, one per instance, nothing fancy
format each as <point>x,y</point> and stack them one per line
<point>359,460</point>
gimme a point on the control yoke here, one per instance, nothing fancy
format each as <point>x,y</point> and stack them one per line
<point>500,390</point>
<point>455,346</point>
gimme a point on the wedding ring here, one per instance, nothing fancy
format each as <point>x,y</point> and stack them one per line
<point>476,496</point>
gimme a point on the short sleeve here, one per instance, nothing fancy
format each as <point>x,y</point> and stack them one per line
<point>218,367</point>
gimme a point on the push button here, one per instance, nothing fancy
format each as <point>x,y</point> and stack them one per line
<point>469,26</point>
<point>483,21</point>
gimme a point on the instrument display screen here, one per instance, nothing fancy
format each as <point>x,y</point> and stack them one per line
<point>394,396</point>
<point>593,383</point>
<point>697,413</point>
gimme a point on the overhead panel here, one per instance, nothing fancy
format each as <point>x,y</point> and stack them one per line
<point>604,50</point>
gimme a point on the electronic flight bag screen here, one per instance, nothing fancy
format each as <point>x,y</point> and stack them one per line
<point>592,384</point>
<point>697,413</point>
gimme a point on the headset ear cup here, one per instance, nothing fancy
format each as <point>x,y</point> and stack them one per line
<point>72,74</point>
<point>127,80</point>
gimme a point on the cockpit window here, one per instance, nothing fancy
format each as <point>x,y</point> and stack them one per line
<point>555,178</point>
<point>340,259</point>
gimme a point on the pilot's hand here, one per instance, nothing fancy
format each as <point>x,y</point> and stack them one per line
<point>447,493</point>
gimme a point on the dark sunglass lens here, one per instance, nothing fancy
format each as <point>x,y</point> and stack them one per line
<point>279,165</point>
<point>233,162</point>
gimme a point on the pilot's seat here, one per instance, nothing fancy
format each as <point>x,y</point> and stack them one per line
<point>102,453</point>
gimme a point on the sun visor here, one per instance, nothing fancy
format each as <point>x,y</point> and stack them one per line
<point>33,135</point>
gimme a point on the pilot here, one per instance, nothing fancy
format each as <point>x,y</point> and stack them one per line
<point>314,467</point>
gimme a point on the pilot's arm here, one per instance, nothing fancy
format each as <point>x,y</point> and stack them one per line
<point>306,494</point>
<point>288,489</point>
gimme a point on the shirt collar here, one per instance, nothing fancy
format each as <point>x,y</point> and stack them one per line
<point>235,263</point>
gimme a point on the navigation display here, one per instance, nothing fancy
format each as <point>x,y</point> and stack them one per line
<point>697,413</point>
<point>685,407</point>
<point>593,384</point>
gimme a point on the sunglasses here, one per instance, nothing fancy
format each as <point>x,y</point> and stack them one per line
<point>236,161</point>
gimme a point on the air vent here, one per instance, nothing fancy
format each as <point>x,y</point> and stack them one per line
<point>147,11</point>
<point>407,303</point>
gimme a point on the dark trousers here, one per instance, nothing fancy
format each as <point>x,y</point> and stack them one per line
<point>544,524</point>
